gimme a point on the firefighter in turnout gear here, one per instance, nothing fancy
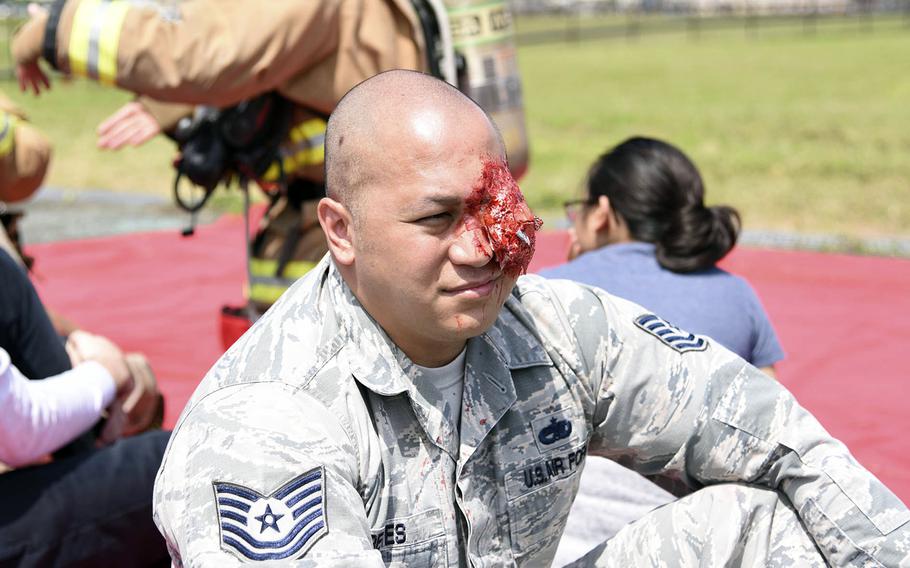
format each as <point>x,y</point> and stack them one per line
<point>213,55</point>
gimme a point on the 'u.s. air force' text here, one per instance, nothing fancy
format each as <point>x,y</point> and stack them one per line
<point>555,466</point>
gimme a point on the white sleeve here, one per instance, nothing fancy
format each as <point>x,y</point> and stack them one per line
<point>38,417</point>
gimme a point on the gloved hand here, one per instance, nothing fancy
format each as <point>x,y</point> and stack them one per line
<point>26,51</point>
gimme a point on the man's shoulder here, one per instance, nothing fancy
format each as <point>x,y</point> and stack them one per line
<point>534,292</point>
<point>292,344</point>
<point>556,306</point>
<point>555,309</point>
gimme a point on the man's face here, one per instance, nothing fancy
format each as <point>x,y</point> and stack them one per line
<point>436,243</point>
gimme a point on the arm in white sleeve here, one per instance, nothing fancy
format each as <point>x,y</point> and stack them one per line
<point>38,417</point>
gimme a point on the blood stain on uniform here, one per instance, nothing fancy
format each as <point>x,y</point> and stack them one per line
<point>498,210</point>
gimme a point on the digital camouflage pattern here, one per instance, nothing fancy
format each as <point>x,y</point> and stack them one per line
<point>563,372</point>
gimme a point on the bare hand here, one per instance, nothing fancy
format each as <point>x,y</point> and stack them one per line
<point>141,406</point>
<point>131,125</point>
<point>83,346</point>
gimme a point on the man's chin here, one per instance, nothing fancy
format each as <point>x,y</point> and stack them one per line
<point>466,326</point>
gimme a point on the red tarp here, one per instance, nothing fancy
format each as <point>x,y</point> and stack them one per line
<point>842,320</point>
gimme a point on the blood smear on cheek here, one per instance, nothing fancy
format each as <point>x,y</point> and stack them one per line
<point>497,207</point>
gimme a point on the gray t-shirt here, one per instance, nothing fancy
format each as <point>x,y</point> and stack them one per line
<point>709,302</point>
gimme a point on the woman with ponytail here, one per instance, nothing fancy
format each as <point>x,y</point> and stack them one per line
<point>643,232</point>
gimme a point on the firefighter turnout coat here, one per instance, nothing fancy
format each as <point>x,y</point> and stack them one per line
<point>221,52</point>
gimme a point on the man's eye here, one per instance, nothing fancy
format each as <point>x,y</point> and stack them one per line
<point>437,218</point>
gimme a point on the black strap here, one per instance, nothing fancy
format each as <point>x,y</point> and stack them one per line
<point>49,45</point>
<point>431,34</point>
<point>289,246</point>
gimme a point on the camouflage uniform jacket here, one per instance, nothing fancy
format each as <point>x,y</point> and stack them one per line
<point>314,406</point>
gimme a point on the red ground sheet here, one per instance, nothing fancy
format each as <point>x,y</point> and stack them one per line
<point>843,321</point>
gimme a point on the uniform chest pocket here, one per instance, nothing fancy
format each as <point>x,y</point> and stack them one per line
<point>540,494</point>
<point>415,540</point>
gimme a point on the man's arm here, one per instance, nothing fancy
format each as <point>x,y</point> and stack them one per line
<point>203,52</point>
<point>248,446</point>
<point>691,411</point>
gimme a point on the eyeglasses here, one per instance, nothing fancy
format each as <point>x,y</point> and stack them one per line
<point>574,207</point>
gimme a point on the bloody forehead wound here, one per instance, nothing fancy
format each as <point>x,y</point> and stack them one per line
<point>497,207</point>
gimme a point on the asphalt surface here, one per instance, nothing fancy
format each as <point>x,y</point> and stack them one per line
<point>56,214</point>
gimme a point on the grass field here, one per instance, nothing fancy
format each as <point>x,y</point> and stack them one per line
<point>800,132</point>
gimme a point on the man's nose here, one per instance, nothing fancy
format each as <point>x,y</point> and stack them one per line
<point>471,248</point>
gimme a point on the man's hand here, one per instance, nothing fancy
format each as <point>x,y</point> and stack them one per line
<point>131,125</point>
<point>83,346</point>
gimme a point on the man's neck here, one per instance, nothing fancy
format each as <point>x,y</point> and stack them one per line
<point>434,356</point>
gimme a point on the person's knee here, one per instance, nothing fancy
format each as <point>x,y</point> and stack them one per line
<point>724,524</point>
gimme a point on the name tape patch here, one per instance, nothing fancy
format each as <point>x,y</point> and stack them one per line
<point>282,524</point>
<point>670,335</point>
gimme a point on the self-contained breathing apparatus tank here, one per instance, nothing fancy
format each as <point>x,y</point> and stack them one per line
<point>471,44</point>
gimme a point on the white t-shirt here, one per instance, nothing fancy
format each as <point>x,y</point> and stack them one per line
<point>38,417</point>
<point>444,387</point>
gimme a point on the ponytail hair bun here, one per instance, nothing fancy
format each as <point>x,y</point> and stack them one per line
<point>698,237</point>
<point>659,194</point>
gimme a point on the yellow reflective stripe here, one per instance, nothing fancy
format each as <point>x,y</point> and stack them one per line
<point>266,268</point>
<point>306,148</point>
<point>266,293</point>
<point>7,133</point>
<point>79,36</point>
<point>95,38</point>
<point>109,40</point>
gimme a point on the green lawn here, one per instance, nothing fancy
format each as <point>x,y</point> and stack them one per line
<point>800,132</point>
<point>807,133</point>
<point>69,115</point>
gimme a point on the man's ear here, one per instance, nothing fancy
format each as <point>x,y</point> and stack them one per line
<point>338,227</point>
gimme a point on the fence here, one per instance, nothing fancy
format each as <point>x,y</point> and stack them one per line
<point>549,21</point>
<point>542,21</point>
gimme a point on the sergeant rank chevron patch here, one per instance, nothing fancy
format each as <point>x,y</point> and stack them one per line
<point>670,335</point>
<point>283,524</point>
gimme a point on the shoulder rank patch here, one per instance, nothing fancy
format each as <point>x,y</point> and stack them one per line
<point>282,524</point>
<point>670,335</point>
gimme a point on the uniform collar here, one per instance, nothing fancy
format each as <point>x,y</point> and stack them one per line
<point>378,364</point>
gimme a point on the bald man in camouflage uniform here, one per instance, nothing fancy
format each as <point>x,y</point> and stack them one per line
<point>316,441</point>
